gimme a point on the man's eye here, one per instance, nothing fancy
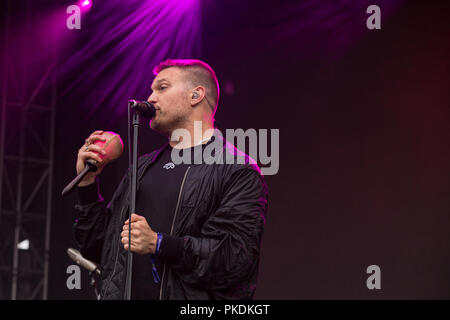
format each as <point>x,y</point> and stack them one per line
<point>162,87</point>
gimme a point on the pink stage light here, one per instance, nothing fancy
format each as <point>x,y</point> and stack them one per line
<point>85,4</point>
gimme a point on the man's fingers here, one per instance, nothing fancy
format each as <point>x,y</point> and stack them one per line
<point>125,241</point>
<point>133,248</point>
<point>96,148</point>
<point>95,137</point>
<point>134,225</point>
<point>134,233</point>
<point>95,133</point>
<point>134,243</point>
<point>134,218</point>
<point>93,152</point>
<point>92,155</point>
<point>125,226</point>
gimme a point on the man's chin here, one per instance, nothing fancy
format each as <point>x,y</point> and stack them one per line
<point>157,126</point>
<point>154,125</point>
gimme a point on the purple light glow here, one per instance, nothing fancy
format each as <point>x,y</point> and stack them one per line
<point>115,59</point>
<point>86,4</point>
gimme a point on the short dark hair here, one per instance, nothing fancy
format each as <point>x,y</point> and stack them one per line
<point>200,74</point>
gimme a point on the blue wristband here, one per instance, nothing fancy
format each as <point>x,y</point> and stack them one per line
<point>158,242</point>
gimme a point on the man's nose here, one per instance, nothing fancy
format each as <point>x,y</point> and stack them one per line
<point>152,98</point>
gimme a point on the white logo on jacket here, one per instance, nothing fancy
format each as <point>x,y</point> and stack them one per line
<point>169,165</point>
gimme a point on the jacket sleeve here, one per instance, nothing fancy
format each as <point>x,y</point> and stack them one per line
<point>93,216</point>
<point>227,253</point>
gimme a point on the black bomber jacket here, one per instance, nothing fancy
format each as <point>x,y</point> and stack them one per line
<point>213,249</point>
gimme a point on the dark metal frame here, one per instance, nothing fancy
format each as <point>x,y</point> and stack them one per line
<point>31,273</point>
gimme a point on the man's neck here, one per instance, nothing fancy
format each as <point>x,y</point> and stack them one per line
<point>199,133</point>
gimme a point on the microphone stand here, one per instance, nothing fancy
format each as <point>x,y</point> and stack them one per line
<point>93,284</point>
<point>136,124</point>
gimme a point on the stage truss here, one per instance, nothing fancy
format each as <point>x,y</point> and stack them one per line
<point>27,137</point>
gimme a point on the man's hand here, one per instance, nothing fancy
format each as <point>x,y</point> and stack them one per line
<point>90,151</point>
<point>143,238</point>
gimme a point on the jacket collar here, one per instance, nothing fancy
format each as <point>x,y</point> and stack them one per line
<point>216,135</point>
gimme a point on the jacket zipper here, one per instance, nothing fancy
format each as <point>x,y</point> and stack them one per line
<point>171,229</point>
<point>118,247</point>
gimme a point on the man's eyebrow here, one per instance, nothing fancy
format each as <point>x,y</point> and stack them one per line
<point>159,81</point>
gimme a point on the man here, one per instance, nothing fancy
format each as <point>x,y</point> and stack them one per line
<point>197,228</point>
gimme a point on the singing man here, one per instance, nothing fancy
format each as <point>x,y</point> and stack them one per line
<point>197,229</point>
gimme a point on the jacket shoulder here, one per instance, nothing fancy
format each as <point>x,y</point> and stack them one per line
<point>237,159</point>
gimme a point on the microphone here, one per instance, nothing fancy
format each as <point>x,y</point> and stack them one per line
<point>145,108</point>
<point>91,165</point>
<point>76,256</point>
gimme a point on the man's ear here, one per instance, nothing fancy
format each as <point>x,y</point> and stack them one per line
<point>197,95</point>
